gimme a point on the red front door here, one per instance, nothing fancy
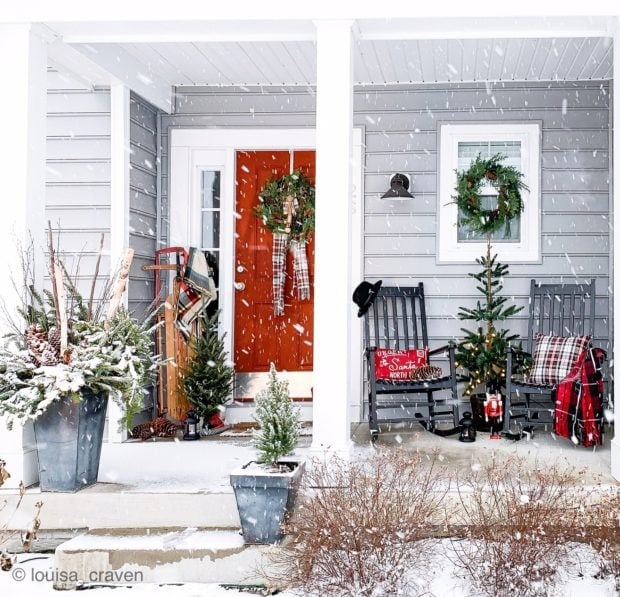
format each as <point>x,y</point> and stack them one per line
<point>259,337</point>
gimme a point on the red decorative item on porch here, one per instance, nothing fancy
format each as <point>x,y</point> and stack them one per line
<point>398,365</point>
<point>493,409</point>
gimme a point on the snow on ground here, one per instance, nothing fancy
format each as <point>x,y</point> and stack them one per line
<point>437,576</point>
<point>166,466</point>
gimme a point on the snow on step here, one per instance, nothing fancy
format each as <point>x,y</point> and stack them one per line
<point>181,556</point>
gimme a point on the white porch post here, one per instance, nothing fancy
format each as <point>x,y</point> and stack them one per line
<point>615,442</point>
<point>23,90</point>
<point>119,207</point>
<point>332,288</point>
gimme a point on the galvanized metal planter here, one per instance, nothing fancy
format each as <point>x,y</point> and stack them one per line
<point>264,499</point>
<point>68,436</point>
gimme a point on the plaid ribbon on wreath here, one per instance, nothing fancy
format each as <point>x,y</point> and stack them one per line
<point>278,260</point>
<point>301,275</point>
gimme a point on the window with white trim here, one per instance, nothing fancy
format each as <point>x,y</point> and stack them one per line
<point>210,213</point>
<point>460,144</point>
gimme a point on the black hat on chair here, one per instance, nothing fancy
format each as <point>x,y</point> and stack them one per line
<point>364,295</point>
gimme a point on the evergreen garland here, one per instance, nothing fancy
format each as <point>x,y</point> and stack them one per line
<point>207,380</point>
<point>508,184</point>
<point>271,207</point>
<point>279,421</point>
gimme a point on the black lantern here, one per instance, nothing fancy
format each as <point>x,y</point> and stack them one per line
<point>399,185</point>
<point>191,426</point>
<point>468,431</point>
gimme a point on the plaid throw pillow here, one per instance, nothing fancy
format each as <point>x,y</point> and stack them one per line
<point>555,356</point>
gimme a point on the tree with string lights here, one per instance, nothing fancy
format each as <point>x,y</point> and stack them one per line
<point>482,352</point>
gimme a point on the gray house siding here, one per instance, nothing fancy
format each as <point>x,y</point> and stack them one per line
<point>78,182</point>
<point>142,202</point>
<point>401,125</point>
<point>78,174</point>
<point>400,238</point>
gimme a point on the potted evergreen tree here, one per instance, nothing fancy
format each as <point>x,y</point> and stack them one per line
<point>482,352</point>
<point>266,489</point>
<point>207,381</point>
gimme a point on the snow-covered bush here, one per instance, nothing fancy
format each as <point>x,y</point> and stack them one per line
<point>362,526</point>
<point>278,418</point>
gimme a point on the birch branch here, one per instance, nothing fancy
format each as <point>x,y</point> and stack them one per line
<point>96,274</point>
<point>52,268</point>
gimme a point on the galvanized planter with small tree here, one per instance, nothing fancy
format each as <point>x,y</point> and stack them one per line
<point>266,489</point>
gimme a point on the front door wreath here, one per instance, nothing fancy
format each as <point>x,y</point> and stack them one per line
<point>286,208</point>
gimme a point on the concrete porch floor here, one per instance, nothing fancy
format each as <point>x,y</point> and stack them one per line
<point>543,447</point>
<point>177,484</point>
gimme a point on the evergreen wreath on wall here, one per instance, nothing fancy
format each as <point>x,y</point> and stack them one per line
<point>286,206</point>
<point>507,182</point>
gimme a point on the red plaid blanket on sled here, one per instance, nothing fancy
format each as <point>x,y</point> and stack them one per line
<point>579,400</point>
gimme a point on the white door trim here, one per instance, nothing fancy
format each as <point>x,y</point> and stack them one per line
<point>195,149</point>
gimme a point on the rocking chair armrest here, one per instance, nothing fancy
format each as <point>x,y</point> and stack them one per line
<point>517,351</point>
<point>450,346</point>
<point>599,355</point>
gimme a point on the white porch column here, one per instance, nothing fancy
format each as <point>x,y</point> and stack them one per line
<point>23,91</point>
<point>615,442</point>
<point>332,287</point>
<point>119,207</point>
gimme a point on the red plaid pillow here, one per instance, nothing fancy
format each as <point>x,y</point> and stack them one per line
<point>398,365</point>
<point>555,356</point>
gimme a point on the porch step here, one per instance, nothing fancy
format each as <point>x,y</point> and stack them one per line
<point>109,506</point>
<point>132,557</point>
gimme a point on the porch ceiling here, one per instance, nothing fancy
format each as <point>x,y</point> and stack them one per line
<point>377,61</point>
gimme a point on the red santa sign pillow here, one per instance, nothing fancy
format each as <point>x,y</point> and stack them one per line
<point>399,365</point>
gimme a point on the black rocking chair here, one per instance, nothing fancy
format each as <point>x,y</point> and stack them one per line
<point>558,309</point>
<point>397,320</point>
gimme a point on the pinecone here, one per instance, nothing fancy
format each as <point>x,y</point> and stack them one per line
<point>53,337</point>
<point>41,351</point>
<point>36,342</point>
<point>35,334</point>
<point>48,356</point>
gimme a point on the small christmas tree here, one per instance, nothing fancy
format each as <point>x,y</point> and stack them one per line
<point>279,421</point>
<point>207,380</point>
<point>483,351</point>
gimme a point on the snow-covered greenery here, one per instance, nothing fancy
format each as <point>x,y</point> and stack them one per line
<point>278,418</point>
<point>116,360</point>
<point>106,354</point>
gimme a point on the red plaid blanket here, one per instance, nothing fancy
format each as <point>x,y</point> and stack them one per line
<point>579,397</point>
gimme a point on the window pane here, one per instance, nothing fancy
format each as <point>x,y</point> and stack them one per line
<point>210,229</point>
<point>210,189</point>
<point>468,151</point>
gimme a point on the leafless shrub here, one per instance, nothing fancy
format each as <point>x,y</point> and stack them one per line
<point>6,559</point>
<point>516,521</point>
<point>599,526</point>
<point>361,525</point>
